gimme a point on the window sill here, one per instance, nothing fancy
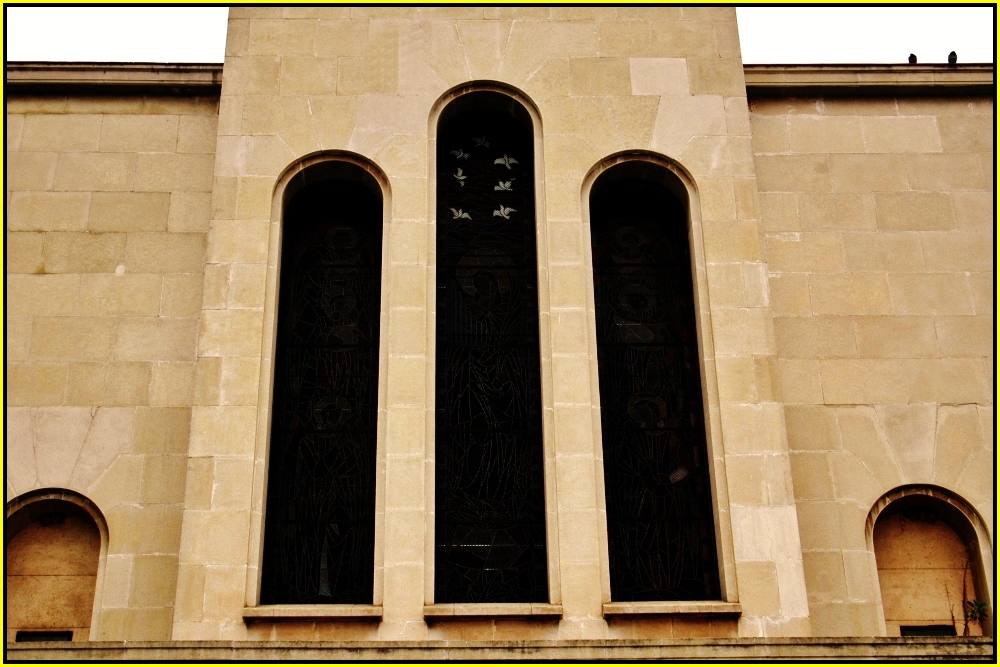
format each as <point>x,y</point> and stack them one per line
<point>281,612</point>
<point>708,608</point>
<point>500,610</point>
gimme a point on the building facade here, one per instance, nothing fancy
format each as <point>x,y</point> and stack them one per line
<point>719,365</point>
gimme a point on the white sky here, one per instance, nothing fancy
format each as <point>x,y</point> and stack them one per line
<point>768,34</point>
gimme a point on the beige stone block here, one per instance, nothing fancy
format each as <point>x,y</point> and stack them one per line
<point>35,384</point>
<point>958,436</point>
<point>779,480</point>
<point>156,339</point>
<point>599,76</point>
<point>207,381</point>
<point>793,173</point>
<point>930,294</point>
<point>736,379</point>
<point>811,475</point>
<point>85,383</point>
<point>48,211</point>
<point>246,285</point>
<point>965,134</point>
<point>405,428</point>
<point>223,431</point>
<point>769,134</point>
<point>225,191</point>
<point>973,210</point>
<point>172,384</point>
<point>901,134</point>
<point>253,75</point>
<point>982,286</point>
<point>840,211</point>
<point>947,381</point>
<point>882,251</point>
<point>849,294</point>
<point>18,337</point>
<point>726,285</point>
<point>715,76</point>
<point>854,381</point>
<point>282,37</point>
<point>843,619</point>
<point>732,241</point>
<point>624,38</point>
<point>139,133</point>
<point>238,241</point>
<point>129,212</point>
<point>867,173</point>
<point>164,253</point>
<point>958,251</point>
<point>60,132</point>
<point>42,294</point>
<point>853,481</point>
<point>779,211</point>
<point>233,483</point>
<point>914,211</point>
<point>752,428</point>
<point>864,434</point>
<point>404,495</point>
<point>215,294</point>
<point>334,118</point>
<point>72,338</point>
<point>181,295</point>
<point>742,331</point>
<point>567,156</point>
<point>747,199</point>
<point>240,380</point>
<point>943,172</point>
<point>24,252</point>
<point>95,171</point>
<point>340,37</point>
<point>576,479</point>
<point>790,294</point>
<point>231,332</point>
<point>825,578</point>
<point>718,201</point>
<point>571,379</point>
<point>199,483</point>
<point>747,480</point>
<point>569,332</point>
<point>224,541</point>
<point>31,171</point>
<point>113,295</point>
<point>127,384</point>
<point>161,431</point>
<point>14,125</point>
<point>965,336</point>
<point>197,134</point>
<point>83,252</point>
<point>830,134</point>
<point>758,588</point>
<point>407,381</point>
<point>812,427</point>
<point>163,481</point>
<point>887,337</point>
<point>189,212</point>
<point>170,172</point>
<point>407,331</point>
<point>814,337</point>
<point>154,580</point>
<point>810,252</point>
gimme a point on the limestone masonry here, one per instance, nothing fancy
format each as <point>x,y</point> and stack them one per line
<point>840,230</point>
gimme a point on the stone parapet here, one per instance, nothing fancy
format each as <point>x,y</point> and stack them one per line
<point>701,650</point>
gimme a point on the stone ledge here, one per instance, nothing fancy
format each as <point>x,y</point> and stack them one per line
<point>277,612</point>
<point>710,608</point>
<point>112,78</point>
<point>518,609</point>
<point>868,80</point>
<point>702,650</point>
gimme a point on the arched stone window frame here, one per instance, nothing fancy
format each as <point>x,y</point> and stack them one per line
<point>682,185</point>
<point>27,507</point>
<point>961,517</point>
<point>315,167</point>
<point>545,344</point>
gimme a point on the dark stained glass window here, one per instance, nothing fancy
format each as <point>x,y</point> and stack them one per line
<point>319,537</point>
<point>490,512</point>
<point>661,533</point>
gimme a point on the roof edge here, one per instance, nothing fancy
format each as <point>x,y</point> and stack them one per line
<point>104,77</point>
<point>869,79</point>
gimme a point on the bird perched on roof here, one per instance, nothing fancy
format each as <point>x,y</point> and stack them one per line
<point>952,58</point>
<point>913,59</point>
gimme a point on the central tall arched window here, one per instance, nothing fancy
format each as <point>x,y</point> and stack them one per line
<point>490,512</point>
<point>319,533</point>
<point>661,534</point>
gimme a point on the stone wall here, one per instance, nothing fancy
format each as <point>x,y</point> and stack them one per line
<point>107,213</point>
<point>878,229</point>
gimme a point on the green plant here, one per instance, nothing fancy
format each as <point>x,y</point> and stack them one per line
<point>975,610</point>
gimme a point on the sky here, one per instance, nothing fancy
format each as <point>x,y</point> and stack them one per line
<point>775,35</point>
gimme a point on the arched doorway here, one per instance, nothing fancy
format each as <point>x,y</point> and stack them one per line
<point>52,558</point>
<point>661,530</point>
<point>930,569</point>
<point>319,533</point>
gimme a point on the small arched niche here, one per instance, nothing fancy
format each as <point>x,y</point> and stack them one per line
<point>657,481</point>
<point>319,532</point>
<point>52,546</point>
<point>930,566</point>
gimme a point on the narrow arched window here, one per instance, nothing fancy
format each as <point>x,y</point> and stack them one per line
<point>319,534</point>
<point>661,535</point>
<point>490,508</point>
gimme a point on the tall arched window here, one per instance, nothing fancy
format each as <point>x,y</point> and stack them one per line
<point>661,534</point>
<point>490,505</point>
<point>319,533</point>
